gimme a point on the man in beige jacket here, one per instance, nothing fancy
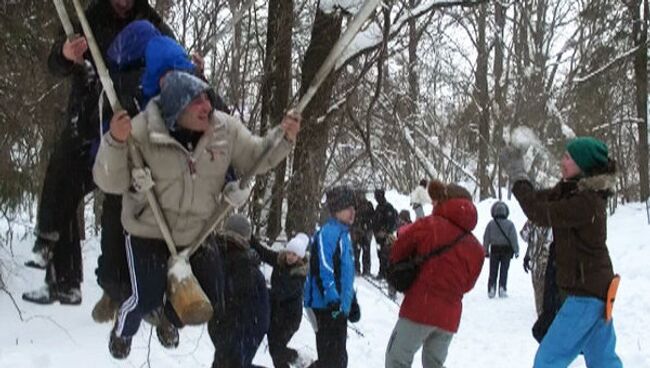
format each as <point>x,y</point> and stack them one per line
<point>187,146</point>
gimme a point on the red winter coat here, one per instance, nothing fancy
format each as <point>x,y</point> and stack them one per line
<point>435,298</point>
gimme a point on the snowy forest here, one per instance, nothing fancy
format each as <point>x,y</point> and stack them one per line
<point>427,89</point>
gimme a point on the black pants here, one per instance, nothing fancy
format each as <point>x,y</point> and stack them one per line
<point>112,270</point>
<point>362,245</point>
<point>68,179</point>
<point>383,253</point>
<point>285,321</point>
<point>147,260</point>
<point>331,340</point>
<point>499,260</point>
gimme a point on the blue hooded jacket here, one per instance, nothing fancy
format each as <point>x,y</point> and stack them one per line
<point>162,55</point>
<point>331,274</point>
<point>128,47</point>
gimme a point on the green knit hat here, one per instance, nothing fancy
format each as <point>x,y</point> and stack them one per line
<point>588,153</point>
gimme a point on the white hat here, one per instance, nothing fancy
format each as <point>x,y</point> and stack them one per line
<point>298,244</point>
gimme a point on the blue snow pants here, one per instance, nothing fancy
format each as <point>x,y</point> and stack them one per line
<point>578,327</point>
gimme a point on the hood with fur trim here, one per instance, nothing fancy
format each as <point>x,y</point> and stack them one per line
<point>598,183</point>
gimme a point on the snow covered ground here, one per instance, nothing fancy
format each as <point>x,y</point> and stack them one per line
<point>493,333</point>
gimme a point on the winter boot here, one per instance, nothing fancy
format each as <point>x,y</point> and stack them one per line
<point>167,333</point>
<point>41,253</point>
<point>491,292</point>
<point>120,347</point>
<point>502,292</point>
<point>68,295</point>
<point>292,355</point>
<point>44,295</point>
<point>105,309</point>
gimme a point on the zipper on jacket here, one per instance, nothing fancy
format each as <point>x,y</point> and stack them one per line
<point>191,163</point>
<point>582,272</point>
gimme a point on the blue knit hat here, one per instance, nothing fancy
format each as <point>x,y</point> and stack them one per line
<point>178,90</point>
<point>162,55</point>
<point>588,153</point>
<point>128,47</point>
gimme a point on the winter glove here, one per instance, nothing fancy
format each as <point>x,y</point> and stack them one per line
<point>512,161</point>
<point>517,255</point>
<point>142,180</point>
<point>355,311</point>
<point>335,310</point>
<point>234,195</point>
<point>526,263</point>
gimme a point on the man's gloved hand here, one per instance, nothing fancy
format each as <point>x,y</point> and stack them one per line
<point>235,195</point>
<point>527,263</point>
<point>517,255</point>
<point>142,180</point>
<point>512,162</point>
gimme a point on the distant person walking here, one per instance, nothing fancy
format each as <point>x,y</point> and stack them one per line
<point>500,242</point>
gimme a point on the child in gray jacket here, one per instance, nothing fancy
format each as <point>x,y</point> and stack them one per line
<point>500,242</point>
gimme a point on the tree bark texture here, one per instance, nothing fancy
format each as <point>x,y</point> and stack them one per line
<point>310,152</point>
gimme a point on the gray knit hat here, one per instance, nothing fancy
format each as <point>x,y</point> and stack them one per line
<point>238,226</point>
<point>178,90</point>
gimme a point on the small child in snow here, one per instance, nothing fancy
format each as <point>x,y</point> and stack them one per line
<point>287,286</point>
<point>239,326</point>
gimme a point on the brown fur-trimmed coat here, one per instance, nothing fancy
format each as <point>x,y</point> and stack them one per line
<point>577,212</point>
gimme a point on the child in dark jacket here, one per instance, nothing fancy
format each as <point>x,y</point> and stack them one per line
<point>500,243</point>
<point>238,327</point>
<point>287,285</point>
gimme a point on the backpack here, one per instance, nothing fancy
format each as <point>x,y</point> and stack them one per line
<point>402,274</point>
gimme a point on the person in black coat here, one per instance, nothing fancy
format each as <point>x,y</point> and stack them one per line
<point>287,288</point>
<point>384,223</point>
<point>68,176</point>
<point>239,325</point>
<point>362,233</point>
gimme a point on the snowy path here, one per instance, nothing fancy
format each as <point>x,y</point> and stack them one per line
<point>493,333</point>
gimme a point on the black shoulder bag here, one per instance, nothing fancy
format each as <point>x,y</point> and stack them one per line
<point>401,274</point>
<point>504,234</point>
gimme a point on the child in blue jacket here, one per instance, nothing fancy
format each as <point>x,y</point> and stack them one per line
<point>329,289</point>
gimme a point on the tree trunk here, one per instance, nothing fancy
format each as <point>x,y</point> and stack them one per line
<point>640,37</point>
<point>235,90</point>
<point>281,76</point>
<point>275,95</point>
<point>483,100</point>
<point>499,86</point>
<point>310,153</point>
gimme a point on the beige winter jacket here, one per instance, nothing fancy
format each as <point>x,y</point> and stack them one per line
<point>187,185</point>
